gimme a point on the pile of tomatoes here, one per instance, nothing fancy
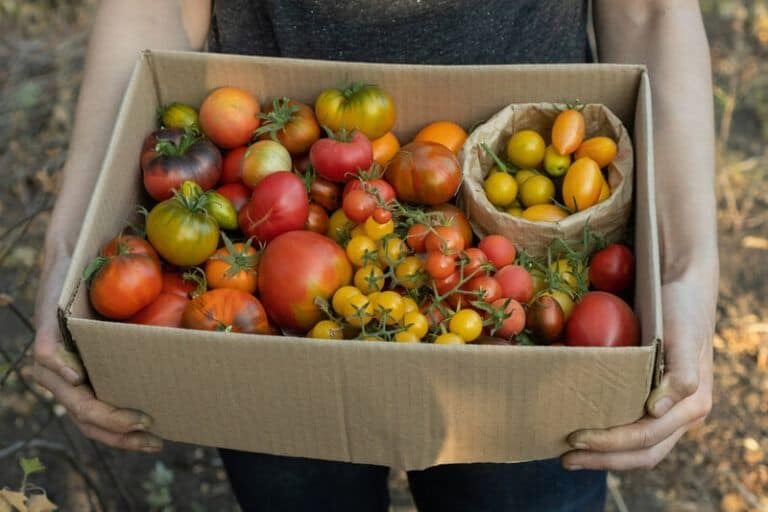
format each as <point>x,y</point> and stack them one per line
<point>314,221</point>
<point>540,182</point>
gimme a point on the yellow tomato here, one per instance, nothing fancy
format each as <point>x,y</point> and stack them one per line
<point>522,175</point>
<point>409,305</point>
<point>567,274</point>
<point>467,323</point>
<point>537,190</point>
<point>600,149</point>
<point>358,230</point>
<point>526,149</point>
<point>449,338</point>
<point>554,163</point>
<point>376,231</point>
<point>515,211</point>
<point>416,323</point>
<point>565,301</point>
<point>501,189</point>
<point>389,305</point>
<point>339,226</point>
<point>391,251</point>
<point>582,184</point>
<point>327,330</point>
<point>544,213</point>
<point>369,279</point>
<point>361,250</point>
<point>359,311</point>
<point>410,273</point>
<point>340,300</point>
<point>406,337</point>
<point>605,192</point>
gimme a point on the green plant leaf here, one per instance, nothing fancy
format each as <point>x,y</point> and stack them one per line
<point>31,465</point>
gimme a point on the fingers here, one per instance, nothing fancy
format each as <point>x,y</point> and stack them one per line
<point>646,458</point>
<point>135,441</point>
<point>85,409</point>
<point>51,353</point>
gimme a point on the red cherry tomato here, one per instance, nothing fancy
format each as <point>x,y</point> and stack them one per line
<point>612,269</point>
<point>440,265</point>
<point>445,239</point>
<point>416,237</point>
<point>358,206</point>
<point>488,286</point>
<point>237,193</point>
<point>476,259</point>
<point>516,283</point>
<point>500,250</point>
<point>515,321</point>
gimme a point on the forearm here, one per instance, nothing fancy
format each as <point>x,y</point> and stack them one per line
<point>668,37</point>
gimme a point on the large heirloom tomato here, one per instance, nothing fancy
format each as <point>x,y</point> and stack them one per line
<point>279,204</point>
<point>229,116</point>
<point>360,106</point>
<point>340,157</point>
<point>125,278</point>
<point>424,173</point>
<point>171,157</point>
<point>295,269</point>
<point>290,123</point>
<point>226,309</point>
<point>601,319</point>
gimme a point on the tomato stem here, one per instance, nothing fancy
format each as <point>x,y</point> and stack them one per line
<point>276,120</point>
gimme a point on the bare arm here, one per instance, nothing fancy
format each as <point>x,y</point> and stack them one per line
<point>668,37</point>
<point>121,30</point>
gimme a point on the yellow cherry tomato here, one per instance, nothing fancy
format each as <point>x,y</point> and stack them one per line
<point>554,163</point>
<point>369,279</point>
<point>341,298</point>
<point>449,338</point>
<point>544,213</point>
<point>567,274</point>
<point>361,250</point>
<point>359,311</point>
<point>358,230</point>
<point>389,305</point>
<point>501,188</point>
<point>377,231</point>
<point>391,251</point>
<point>416,323</point>
<point>467,323</point>
<point>582,184</point>
<point>522,175</point>
<point>327,330</point>
<point>526,149</point>
<point>539,283</point>
<point>410,273</point>
<point>605,192</point>
<point>537,190</point>
<point>562,298</point>
<point>406,337</point>
<point>515,211</point>
<point>409,305</point>
<point>339,227</point>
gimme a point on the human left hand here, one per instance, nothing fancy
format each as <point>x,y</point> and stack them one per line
<point>682,400</point>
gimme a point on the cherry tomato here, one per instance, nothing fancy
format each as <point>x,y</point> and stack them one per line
<point>612,269</point>
<point>568,131</point>
<point>600,149</point>
<point>582,185</point>
<point>523,174</point>
<point>416,237</point>
<point>449,338</point>
<point>544,213</point>
<point>565,301</point>
<point>568,274</point>
<point>499,250</point>
<point>501,189</point>
<point>384,148</point>
<point>445,239</point>
<point>391,251</point>
<point>340,300</point>
<point>382,215</point>
<point>410,273</point>
<point>339,226</point>
<point>359,205</point>
<point>514,322</point>
<point>361,250</point>
<point>325,193</point>
<point>488,287</point>
<point>554,163</point>
<point>467,323</point>
<point>545,319</point>
<point>455,218</point>
<point>377,231</point>
<point>317,220</point>
<point>388,307</point>
<point>326,330</point>
<point>410,305</point>
<point>516,283</point>
<point>440,265</point>
<point>446,284</point>
<point>359,310</point>
<point>406,337</point>
<point>537,190</point>
<point>416,323</point>
<point>476,258</point>
<point>369,279</point>
<point>526,149</point>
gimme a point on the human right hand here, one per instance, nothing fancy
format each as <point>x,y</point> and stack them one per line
<point>61,372</point>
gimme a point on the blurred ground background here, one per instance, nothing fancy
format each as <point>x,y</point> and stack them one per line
<point>720,466</point>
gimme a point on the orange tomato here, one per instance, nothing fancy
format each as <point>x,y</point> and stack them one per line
<point>233,266</point>
<point>544,213</point>
<point>568,131</point>
<point>605,192</point>
<point>385,147</point>
<point>600,149</point>
<point>447,133</point>
<point>582,184</point>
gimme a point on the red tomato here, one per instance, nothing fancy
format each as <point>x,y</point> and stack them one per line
<point>416,237</point>
<point>445,239</point>
<point>325,193</point>
<point>174,283</point>
<point>317,220</point>
<point>165,311</point>
<point>229,116</point>
<point>433,314</point>
<point>279,204</point>
<point>455,217</point>
<point>382,215</point>
<point>476,259</point>
<point>601,319</point>
<point>612,269</point>
<point>500,250</point>
<point>515,321</point>
<point>516,283</point>
<point>237,193</point>
<point>171,157</point>
<point>295,269</point>
<point>446,284</point>
<point>125,279</point>
<point>358,206</point>
<point>424,173</point>
<point>488,286</point>
<point>545,319</point>
<point>379,188</point>
<point>338,160</point>
<point>440,265</point>
<point>226,309</point>
<point>232,166</point>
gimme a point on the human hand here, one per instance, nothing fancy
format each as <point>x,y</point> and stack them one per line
<point>682,400</point>
<point>61,372</point>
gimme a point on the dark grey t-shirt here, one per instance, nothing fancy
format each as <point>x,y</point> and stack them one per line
<point>405,31</point>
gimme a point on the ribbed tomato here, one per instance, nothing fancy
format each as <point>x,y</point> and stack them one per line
<point>226,309</point>
<point>359,106</point>
<point>424,173</point>
<point>279,204</point>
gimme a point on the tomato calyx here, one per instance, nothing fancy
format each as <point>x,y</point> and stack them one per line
<point>169,148</point>
<point>282,113</point>
<point>342,135</point>
<point>197,276</point>
<point>355,87</point>
<point>238,260</point>
<point>574,104</point>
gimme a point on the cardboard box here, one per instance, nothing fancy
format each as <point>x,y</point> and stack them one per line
<point>403,405</point>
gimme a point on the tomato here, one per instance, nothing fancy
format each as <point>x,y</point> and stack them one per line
<point>339,227</point>
<point>325,193</point>
<point>171,157</point>
<point>467,323</point>
<point>237,194</point>
<point>125,278</point>
<point>232,166</point>
<point>317,267</point>
<point>501,188</point>
<point>455,217</point>
<point>361,250</point>
<point>447,133</point>
<point>446,284</point>
<point>554,163</point>
<point>568,274</point>
<point>449,338</point>
<point>514,322</point>
<point>612,269</point>
<point>406,337</point>
<point>499,250</point>
<point>565,301</point>
<point>416,323</point>
<point>410,304</point>
<point>515,211</point>
<point>382,215</point>
<point>388,307</point>
<point>221,209</point>
<point>326,330</point>
<point>476,260</point>
<point>359,311</point>
<point>229,116</point>
<point>182,230</point>
<point>492,340</point>
<point>516,283</point>
<point>376,231</point>
<point>226,309</point>
<point>544,213</point>
<point>605,192</point>
<point>537,190</point>
<point>526,149</point>
<point>440,265</point>
<point>359,205</point>
<point>416,237</point>
<point>279,204</point>
<point>178,284</point>
<point>290,123</point>
<point>233,266</point>
<point>341,157</point>
<point>444,239</point>
<point>488,288</point>
<point>369,279</point>
<point>602,319</point>
<point>545,319</point>
<point>340,301</point>
<point>600,149</point>
<point>582,185</point>
<point>359,106</point>
<point>433,313</point>
<point>522,176</point>
<point>380,189</point>
<point>568,131</point>
<point>424,173</point>
<point>409,273</point>
<point>317,220</point>
<point>263,158</point>
<point>179,116</point>
<point>165,311</point>
<point>391,251</point>
<point>384,148</point>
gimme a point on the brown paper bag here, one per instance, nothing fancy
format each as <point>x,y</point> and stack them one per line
<point>608,219</point>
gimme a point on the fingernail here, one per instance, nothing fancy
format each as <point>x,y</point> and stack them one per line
<point>574,467</point>
<point>662,406</point>
<point>580,446</point>
<point>152,445</point>
<point>145,422</point>
<point>70,375</point>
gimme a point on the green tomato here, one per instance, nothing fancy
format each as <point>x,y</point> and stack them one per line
<point>181,231</point>
<point>554,163</point>
<point>221,209</point>
<point>179,115</point>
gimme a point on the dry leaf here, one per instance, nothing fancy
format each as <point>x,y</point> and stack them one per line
<point>5,506</point>
<point>40,503</point>
<point>16,499</point>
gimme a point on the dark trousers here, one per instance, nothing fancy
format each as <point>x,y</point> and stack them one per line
<point>273,483</point>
